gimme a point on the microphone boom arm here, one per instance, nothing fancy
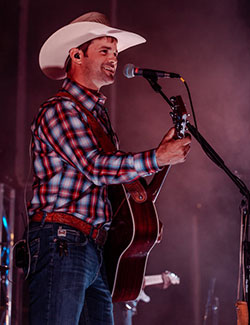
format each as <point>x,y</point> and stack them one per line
<point>158,89</point>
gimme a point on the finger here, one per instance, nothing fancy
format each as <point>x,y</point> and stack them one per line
<point>186,141</point>
<point>170,134</point>
<point>186,150</point>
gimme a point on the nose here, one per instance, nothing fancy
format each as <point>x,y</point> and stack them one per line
<point>113,61</point>
<point>113,58</point>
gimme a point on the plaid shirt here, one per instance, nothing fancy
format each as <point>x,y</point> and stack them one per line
<point>71,173</point>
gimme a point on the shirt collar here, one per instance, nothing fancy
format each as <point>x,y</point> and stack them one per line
<point>84,95</point>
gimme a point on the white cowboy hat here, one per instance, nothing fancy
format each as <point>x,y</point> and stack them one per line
<point>55,50</point>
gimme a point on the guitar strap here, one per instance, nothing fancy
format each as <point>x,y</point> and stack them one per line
<point>135,188</point>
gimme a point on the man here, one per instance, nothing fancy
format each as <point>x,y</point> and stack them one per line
<point>69,211</point>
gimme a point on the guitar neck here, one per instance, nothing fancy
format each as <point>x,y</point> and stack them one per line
<point>156,184</point>
<point>179,117</point>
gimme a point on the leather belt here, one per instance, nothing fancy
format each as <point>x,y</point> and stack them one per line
<point>98,235</point>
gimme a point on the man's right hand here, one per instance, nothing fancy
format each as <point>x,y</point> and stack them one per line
<point>172,151</point>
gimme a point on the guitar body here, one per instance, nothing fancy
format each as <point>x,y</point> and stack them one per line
<point>133,233</point>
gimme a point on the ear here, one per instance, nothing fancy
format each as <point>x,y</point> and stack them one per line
<point>75,55</point>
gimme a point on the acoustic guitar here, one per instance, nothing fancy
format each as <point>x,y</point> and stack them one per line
<point>135,227</point>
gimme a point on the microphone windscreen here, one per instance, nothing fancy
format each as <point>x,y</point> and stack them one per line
<point>128,70</point>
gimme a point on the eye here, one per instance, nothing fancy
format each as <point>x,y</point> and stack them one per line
<point>104,51</point>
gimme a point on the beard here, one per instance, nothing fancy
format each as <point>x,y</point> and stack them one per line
<point>106,75</point>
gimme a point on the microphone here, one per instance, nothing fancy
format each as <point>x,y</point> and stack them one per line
<point>130,71</point>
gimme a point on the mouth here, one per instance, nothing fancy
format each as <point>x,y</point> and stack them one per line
<point>110,69</point>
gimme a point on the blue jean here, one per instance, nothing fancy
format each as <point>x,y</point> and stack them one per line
<point>67,281</point>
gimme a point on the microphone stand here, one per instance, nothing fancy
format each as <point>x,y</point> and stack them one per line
<point>244,267</point>
<point>212,306</point>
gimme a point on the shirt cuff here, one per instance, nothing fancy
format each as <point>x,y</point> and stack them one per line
<point>145,163</point>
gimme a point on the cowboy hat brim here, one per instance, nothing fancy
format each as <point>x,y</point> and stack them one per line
<point>55,50</point>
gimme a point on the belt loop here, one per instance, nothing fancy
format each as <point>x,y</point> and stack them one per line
<point>91,231</point>
<point>43,219</point>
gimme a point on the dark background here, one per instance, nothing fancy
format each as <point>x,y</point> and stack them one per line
<point>208,43</point>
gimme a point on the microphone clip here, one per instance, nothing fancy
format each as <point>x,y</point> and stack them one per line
<point>153,83</point>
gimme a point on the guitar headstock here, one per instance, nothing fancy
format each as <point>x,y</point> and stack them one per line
<point>179,116</point>
<point>170,276</point>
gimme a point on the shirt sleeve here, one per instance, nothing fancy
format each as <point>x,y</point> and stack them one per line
<point>69,135</point>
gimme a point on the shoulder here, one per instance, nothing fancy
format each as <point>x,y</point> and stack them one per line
<point>57,105</point>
